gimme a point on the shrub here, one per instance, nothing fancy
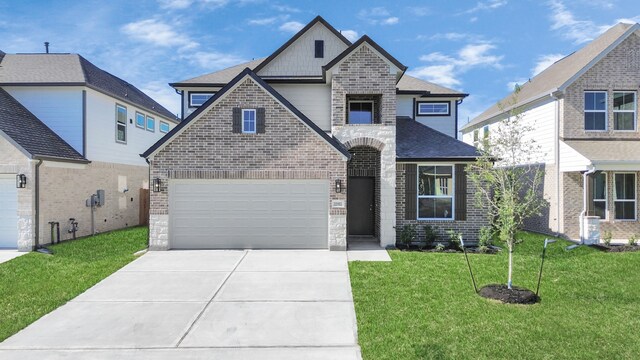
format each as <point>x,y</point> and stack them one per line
<point>454,239</point>
<point>485,237</point>
<point>606,237</point>
<point>483,249</point>
<point>439,247</point>
<point>408,234</point>
<point>633,240</point>
<point>430,235</point>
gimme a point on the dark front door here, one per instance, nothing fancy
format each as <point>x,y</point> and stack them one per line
<point>360,206</point>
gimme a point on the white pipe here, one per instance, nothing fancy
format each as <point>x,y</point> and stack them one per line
<point>585,179</point>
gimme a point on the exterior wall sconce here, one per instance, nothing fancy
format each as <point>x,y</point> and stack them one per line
<point>21,181</point>
<point>338,186</point>
<point>156,185</point>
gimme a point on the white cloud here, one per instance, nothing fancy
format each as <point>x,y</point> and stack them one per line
<point>292,26</point>
<point>378,16</point>
<point>166,96</point>
<point>419,10</point>
<point>446,69</point>
<point>268,20</point>
<point>486,6</point>
<point>213,60</point>
<point>351,35</point>
<point>286,8</point>
<point>157,33</point>
<point>544,61</point>
<point>184,4</point>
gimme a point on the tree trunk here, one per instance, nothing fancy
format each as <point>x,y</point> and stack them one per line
<point>509,281</point>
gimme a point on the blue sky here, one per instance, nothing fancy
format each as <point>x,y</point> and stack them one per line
<point>479,47</point>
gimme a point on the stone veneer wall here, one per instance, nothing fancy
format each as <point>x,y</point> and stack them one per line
<point>65,187</point>
<point>364,72</point>
<point>618,70</point>
<point>208,149</point>
<point>365,161</point>
<point>14,162</point>
<point>476,216</point>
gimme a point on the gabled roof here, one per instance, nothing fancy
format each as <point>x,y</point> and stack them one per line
<point>418,142</point>
<point>247,72</point>
<point>563,72</point>
<point>220,77</point>
<point>355,45</point>
<point>317,19</point>
<point>414,86</point>
<point>31,135</point>
<point>72,70</point>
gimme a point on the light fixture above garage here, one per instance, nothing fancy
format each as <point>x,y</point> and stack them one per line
<point>156,185</point>
<point>21,181</point>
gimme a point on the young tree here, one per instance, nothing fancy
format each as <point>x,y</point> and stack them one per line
<point>508,176</point>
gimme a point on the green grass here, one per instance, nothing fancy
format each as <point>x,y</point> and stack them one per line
<point>422,305</point>
<point>34,284</point>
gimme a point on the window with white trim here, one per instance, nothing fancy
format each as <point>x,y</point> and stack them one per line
<point>624,110</point>
<point>624,196</point>
<point>164,127</point>
<point>598,194</point>
<point>595,110</point>
<point>476,139</point>
<point>121,124</point>
<point>151,124</point>
<point>249,121</point>
<point>197,99</point>
<point>435,192</point>
<point>433,108</point>
<point>140,120</point>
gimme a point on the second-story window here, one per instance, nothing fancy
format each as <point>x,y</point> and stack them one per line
<point>197,99</point>
<point>249,121</point>
<point>319,49</point>
<point>151,124</point>
<point>360,112</point>
<point>121,124</point>
<point>595,110</point>
<point>140,120</point>
<point>164,127</point>
<point>624,110</point>
<point>476,140</point>
<point>433,108</point>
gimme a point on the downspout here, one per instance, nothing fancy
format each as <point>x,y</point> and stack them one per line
<point>585,178</point>
<point>36,219</point>
<point>180,92</point>
<point>458,102</point>
<point>557,159</point>
<point>149,220</point>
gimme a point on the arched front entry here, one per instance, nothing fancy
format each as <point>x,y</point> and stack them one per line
<point>363,190</point>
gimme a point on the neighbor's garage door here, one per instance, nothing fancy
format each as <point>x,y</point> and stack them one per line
<point>248,214</point>
<point>8,212</point>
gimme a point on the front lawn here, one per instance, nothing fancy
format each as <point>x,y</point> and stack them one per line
<point>422,305</point>
<point>35,284</point>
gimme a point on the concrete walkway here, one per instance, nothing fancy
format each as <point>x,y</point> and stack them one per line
<point>205,305</point>
<point>366,251</point>
<point>6,255</point>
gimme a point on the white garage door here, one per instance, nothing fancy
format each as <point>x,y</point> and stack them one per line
<point>248,214</point>
<point>8,212</point>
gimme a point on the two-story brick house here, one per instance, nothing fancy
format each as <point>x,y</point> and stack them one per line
<point>68,129</point>
<point>322,141</point>
<point>584,110</point>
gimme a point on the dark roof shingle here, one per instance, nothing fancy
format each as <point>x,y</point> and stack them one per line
<point>415,141</point>
<point>26,130</point>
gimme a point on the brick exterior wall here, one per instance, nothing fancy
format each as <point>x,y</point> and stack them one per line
<point>365,161</point>
<point>619,70</point>
<point>476,216</point>
<point>207,148</point>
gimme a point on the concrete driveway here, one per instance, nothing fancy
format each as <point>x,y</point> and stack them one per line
<point>205,305</point>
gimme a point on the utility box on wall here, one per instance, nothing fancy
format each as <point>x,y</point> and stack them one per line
<point>591,230</point>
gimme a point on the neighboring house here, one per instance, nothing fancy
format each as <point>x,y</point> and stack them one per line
<point>68,129</point>
<point>320,142</point>
<point>584,110</point>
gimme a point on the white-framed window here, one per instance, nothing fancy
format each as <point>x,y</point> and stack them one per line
<point>249,121</point>
<point>433,108</point>
<point>164,127</point>
<point>595,110</point>
<point>196,99</point>
<point>435,192</point>
<point>121,124</point>
<point>361,112</point>
<point>476,138</point>
<point>624,110</point>
<point>151,124</point>
<point>140,120</point>
<point>624,196</point>
<point>599,194</point>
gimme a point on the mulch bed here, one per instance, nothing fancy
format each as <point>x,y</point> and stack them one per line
<point>515,295</point>
<point>617,248</point>
<point>473,249</point>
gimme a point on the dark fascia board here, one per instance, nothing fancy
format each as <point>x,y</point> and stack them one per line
<point>364,38</point>
<point>313,80</point>
<point>426,93</point>
<point>61,159</point>
<point>441,159</point>
<point>317,19</point>
<point>45,84</point>
<point>197,84</point>
<point>335,143</point>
